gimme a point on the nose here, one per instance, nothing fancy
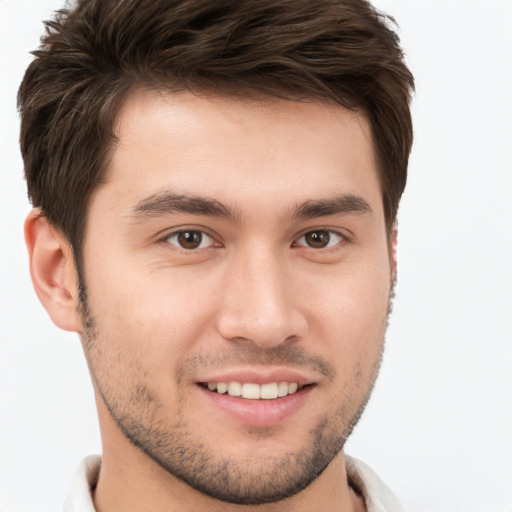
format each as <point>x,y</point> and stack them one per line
<point>260,303</point>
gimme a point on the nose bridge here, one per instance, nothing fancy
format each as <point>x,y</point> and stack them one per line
<point>259,304</point>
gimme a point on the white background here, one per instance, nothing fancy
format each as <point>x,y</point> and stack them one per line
<point>438,429</point>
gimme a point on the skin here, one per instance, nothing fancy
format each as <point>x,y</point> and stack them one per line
<point>259,294</point>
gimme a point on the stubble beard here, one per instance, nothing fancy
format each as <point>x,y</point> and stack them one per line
<point>242,482</point>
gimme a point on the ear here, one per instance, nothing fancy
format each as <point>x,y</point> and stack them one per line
<point>393,261</point>
<point>53,272</point>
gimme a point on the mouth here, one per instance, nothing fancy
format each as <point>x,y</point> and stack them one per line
<point>256,399</point>
<point>254,391</point>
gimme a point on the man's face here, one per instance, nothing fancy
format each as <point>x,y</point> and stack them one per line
<point>236,244</point>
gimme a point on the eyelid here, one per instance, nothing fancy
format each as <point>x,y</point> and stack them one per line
<point>165,235</point>
<point>344,238</point>
<point>167,232</point>
<point>206,240</point>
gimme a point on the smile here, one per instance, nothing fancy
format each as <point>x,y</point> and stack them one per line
<point>261,401</point>
<point>252,391</point>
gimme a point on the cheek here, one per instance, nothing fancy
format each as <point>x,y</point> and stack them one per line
<point>350,316</point>
<point>355,302</point>
<point>146,315</point>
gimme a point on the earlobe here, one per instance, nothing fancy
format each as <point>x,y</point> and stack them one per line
<point>53,271</point>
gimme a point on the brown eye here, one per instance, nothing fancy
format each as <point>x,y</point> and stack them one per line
<point>320,239</point>
<point>190,240</point>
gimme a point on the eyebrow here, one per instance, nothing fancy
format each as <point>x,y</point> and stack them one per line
<point>346,204</point>
<point>167,203</point>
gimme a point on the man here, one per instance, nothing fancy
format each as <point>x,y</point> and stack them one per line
<point>215,187</point>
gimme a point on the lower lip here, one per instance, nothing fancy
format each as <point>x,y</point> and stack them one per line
<point>258,412</point>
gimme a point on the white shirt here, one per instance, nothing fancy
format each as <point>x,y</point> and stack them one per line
<point>377,497</point>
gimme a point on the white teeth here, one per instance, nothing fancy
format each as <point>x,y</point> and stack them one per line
<point>269,391</point>
<point>282,389</point>
<point>251,391</point>
<point>235,389</point>
<point>222,387</point>
<point>248,390</point>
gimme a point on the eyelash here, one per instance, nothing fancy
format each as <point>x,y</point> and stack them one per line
<point>339,237</point>
<point>176,234</point>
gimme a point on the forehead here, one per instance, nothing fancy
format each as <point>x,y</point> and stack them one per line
<point>239,149</point>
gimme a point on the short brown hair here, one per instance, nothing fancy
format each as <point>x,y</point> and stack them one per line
<point>93,54</point>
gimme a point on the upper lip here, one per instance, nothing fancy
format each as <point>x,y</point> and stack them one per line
<point>258,377</point>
